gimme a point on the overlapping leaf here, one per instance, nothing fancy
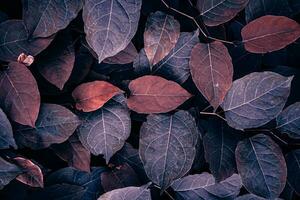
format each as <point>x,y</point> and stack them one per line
<point>123,57</point>
<point>161,34</point>
<point>289,121</point>
<point>14,40</point>
<point>270,33</point>
<point>46,17</point>
<point>220,11</point>
<point>167,146</point>
<point>153,94</point>
<point>19,94</point>
<point>110,25</point>
<point>6,133</point>
<point>93,95</point>
<point>262,166</point>
<point>212,71</point>
<point>54,125</point>
<point>256,99</point>
<point>104,131</point>
<point>8,172</point>
<point>293,170</point>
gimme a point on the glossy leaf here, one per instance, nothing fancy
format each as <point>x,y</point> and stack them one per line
<point>289,121</point>
<point>73,152</point>
<point>175,66</point>
<point>167,146</point>
<point>261,165</point>
<point>219,143</point>
<point>212,71</point>
<point>123,57</point>
<point>256,99</point>
<point>153,94</point>
<point>132,193</point>
<point>105,130</point>
<point>161,34</point>
<point>14,40</point>
<point>203,186</point>
<point>43,18</point>
<point>110,25</point>
<point>270,33</point>
<point>293,170</point>
<point>19,94</point>
<point>54,125</point>
<point>93,95</point>
<point>6,133</point>
<point>220,11</point>
<point>56,63</point>
<point>33,175</point>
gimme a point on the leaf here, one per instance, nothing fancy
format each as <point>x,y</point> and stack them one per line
<point>141,64</point>
<point>56,63</point>
<point>33,175</point>
<point>161,34</point>
<point>8,172</point>
<point>132,193</point>
<point>19,94</point>
<point>14,40</point>
<point>46,17</point>
<point>256,99</point>
<point>293,170</point>
<point>261,166</point>
<point>73,152</point>
<point>123,57</point>
<point>219,143</point>
<point>6,133</point>
<point>54,125</point>
<point>203,186</point>
<point>110,25</point>
<point>212,71</point>
<point>105,130</point>
<point>250,197</point>
<point>288,121</point>
<point>153,94</point>
<point>120,177</point>
<point>93,95</point>
<point>167,146</point>
<point>175,66</point>
<point>90,181</point>
<point>270,33</point>
<point>218,12</point>
<point>256,9</point>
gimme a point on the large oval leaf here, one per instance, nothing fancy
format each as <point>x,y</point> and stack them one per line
<point>256,99</point>
<point>270,33</point>
<point>19,94</point>
<point>8,172</point>
<point>167,146</point>
<point>54,125</point>
<point>14,40</point>
<point>105,130</point>
<point>132,193</point>
<point>46,17</point>
<point>289,121</point>
<point>212,71</point>
<point>160,36</point>
<point>153,94</point>
<point>6,133</point>
<point>203,186</point>
<point>219,144</point>
<point>110,25</point>
<point>219,11</point>
<point>93,95</point>
<point>261,165</point>
<point>293,170</point>
<point>175,66</point>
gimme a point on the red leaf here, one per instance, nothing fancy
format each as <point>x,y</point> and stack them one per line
<point>33,175</point>
<point>212,71</point>
<point>153,94</point>
<point>19,94</point>
<point>93,95</point>
<point>270,33</point>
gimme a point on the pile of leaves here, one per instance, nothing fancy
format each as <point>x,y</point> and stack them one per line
<point>149,99</point>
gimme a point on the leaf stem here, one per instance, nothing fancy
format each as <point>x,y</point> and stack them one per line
<point>197,24</point>
<point>213,114</point>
